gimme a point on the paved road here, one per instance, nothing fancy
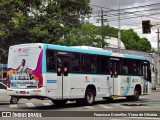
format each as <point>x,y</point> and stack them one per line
<point>149,104</point>
<point>146,103</point>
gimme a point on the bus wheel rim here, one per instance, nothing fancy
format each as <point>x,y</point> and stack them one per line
<point>90,97</point>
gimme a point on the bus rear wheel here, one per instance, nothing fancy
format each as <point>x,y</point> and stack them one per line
<point>59,102</point>
<point>136,95</point>
<point>14,100</point>
<point>89,97</point>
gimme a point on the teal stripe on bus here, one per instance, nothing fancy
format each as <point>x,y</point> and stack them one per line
<point>135,57</point>
<point>72,49</point>
<point>128,87</point>
<point>51,81</point>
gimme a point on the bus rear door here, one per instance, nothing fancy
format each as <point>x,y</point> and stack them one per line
<point>62,76</point>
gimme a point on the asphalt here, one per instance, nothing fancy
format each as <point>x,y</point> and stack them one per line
<point>156,90</point>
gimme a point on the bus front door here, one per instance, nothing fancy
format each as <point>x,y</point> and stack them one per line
<point>62,77</point>
<point>114,72</point>
<point>145,72</point>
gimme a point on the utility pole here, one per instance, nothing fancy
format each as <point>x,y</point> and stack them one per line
<point>158,49</point>
<point>102,19</point>
<point>119,28</point>
<point>158,39</point>
<point>102,25</point>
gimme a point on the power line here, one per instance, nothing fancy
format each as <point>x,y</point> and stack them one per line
<point>125,18</point>
<point>149,5</point>
<point>140,11</point>
<point>134,12</point>
<point>124,13</point>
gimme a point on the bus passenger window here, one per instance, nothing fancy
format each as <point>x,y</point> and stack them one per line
<point>124,66</point>
<point>91,63</point>
<point>50,61</point>
<point>76,62</point>
<point>134,69</point>
<point>83,62</point>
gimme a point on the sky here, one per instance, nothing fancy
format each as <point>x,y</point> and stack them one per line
<point>132,13</point>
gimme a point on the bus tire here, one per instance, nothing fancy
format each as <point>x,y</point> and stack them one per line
<point>136,95</point>
<point>14,100</point>
<point>89,97</point>
<point>59,102</point>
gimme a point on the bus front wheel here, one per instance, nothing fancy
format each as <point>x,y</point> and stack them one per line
<point>135,97</point>
<point>89,97</point>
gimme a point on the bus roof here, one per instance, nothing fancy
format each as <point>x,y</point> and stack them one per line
<point>91,51</point>
<point>83,50</point>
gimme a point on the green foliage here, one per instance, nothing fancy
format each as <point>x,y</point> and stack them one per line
<point>153,49</point>
<point>85,35</point>
<point>133,42</point>
<point>56,21</point>
<point>27,21</point>
<point>88,35</point>
<point>144,45</point>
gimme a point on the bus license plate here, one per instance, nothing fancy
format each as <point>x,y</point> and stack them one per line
<point>22,92</point>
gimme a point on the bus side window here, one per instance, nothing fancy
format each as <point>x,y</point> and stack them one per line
<point>76,62</point>
<point>50,61</point>
<point>124,64</point>
<point>134,69</point>
<point>93,64</point>
<point>90,63</point>
<point>83,63</point>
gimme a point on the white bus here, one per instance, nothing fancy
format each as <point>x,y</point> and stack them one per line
<point>62,73</point>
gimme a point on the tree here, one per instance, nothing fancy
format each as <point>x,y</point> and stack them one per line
<point>85,35</point>
<point>26,21</point>
<point>144,45</point>
<point>59,17</point>
<point>132,41</point>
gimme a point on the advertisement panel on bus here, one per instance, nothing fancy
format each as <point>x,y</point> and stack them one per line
<point>25,67</point>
